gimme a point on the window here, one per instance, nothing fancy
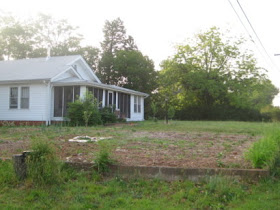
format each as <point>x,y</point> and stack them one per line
<point>13,97</point>
<point>19,99</point>
<point>137,104</point>
<point>24,99</point>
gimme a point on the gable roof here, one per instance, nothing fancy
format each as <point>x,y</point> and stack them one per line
<point>47,69</point>
<point>35,68</point>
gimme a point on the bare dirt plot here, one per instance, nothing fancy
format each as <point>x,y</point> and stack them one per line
<point>193,150</point>
<point>175,149</point>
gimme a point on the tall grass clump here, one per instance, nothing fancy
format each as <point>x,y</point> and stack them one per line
<point>43,168</point>
<point>265,153</point>
<point>7,174</point>
<point>225,189</point>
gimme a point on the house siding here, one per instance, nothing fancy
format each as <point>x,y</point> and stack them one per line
<point>37,104</point>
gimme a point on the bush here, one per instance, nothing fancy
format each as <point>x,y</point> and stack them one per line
<point>108,115</point>
<point>43,167</point>
<point>273,113</point>
<point>84,111</point>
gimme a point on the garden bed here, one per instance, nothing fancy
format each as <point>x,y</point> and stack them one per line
<point>143,148</point>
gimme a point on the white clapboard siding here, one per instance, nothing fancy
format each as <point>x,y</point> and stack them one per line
<point>37,104</point>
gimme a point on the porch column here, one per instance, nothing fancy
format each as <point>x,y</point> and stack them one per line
<point>103,98</point>
<point>83,90</point>
<point>117,100</point>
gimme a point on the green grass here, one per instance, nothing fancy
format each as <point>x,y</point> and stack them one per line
<point>81,190</point>
<point>252,128</point>
<point>29,132</point>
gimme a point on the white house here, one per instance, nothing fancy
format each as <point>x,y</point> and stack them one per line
<point>38,90</point>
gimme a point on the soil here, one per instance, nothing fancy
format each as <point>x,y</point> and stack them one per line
<point>174,149</point>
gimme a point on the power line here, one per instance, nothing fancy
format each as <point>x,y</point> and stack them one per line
<point>249,34</point>
<point>244,13</point>
<point>241,21</point>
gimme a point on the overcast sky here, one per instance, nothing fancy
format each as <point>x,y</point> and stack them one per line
<point>158,25</point>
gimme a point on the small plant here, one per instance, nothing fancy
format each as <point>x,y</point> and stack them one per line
<point>219,161</point>
<point>86,117</point>
<point>103,159</point>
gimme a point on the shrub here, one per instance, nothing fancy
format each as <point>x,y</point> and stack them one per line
<point>84,111</point>
<point>273,113</point>
<point>108,115</point>
<point>43,167</point>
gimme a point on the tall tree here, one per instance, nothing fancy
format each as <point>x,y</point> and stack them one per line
<point>135,71</point>
<point>58,35</point>
<point>115,39</point>
<point>15,38</point>
<point>32,38</point>
<point>213,73</point>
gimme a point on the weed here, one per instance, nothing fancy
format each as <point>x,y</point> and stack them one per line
<point>220,163</point>
<point>103,159</point>
<point>227,146</point>
<point>225,188</point>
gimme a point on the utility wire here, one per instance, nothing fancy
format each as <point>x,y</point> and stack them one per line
<point>244,13</point>
<point>241,21</point>
<point>249,34</point>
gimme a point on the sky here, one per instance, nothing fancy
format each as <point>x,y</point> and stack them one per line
<point>158,25</point>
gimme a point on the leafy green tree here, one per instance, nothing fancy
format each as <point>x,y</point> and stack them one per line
<point>15,39</point>
<point>32,38</point>
<point>135,71</point>
<point>213,73</point>
<point>58,35</point>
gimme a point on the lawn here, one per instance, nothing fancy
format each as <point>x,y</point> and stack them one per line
<point>200,144</point>
<point>142,143</point>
